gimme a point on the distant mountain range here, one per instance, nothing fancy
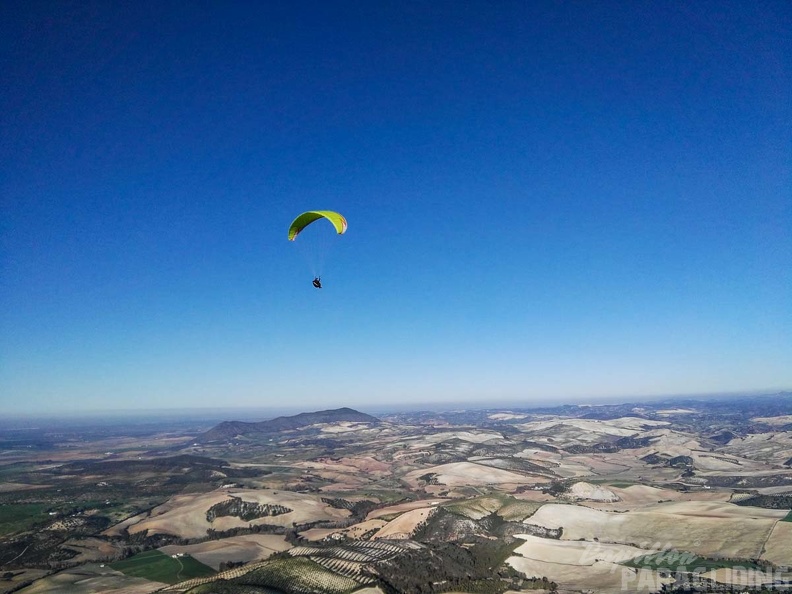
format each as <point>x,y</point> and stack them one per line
<point>231,429</point>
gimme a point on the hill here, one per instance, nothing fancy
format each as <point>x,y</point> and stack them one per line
<point>233,429</point>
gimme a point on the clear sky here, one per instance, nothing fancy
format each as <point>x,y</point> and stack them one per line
<point>546,201</point>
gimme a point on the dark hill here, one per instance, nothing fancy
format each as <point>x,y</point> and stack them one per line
<point>231,429</point>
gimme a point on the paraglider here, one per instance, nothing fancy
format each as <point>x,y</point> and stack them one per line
<point>307,218</point>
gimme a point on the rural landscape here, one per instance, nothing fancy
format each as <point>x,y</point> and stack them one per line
<point>681,495</point>
<point>395,297</point>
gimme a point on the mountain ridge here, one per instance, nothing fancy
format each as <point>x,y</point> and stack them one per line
<point>231,429</point>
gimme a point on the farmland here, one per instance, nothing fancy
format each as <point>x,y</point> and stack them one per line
<point>158,567</point>
<point>574,498</point>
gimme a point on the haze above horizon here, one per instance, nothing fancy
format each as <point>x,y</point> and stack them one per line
<point>545,201</point>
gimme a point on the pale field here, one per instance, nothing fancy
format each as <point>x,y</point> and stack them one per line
<point>343,427</point>
<point>540,456</point>
<point>346,474</point>
<point>576,552</point>
<point>505,416</point>
<point>782,490</point>
<point>676,411</point>
<point>91,579</point>
<point>355,532</point>
<point>469,436</point>
<point>537,496</point>
<point>405,524</point>
<point>773,448</point>
<point>185,515</point>
<point>583,490</point>
<point>702,527</point>
<point>747,474</point>
<point>671,443</point>
<point>555,462</point>
<point>403,507</point>
<point>637,497</point>
<point>779,420</point>
<point>778,548</point>
<point>470,474</point>
<point>182,515</point>
<point>581,565</point>
<point>622,427</point>
<point>10,487</point>
<point>247,548</point>
<point>354,465</point>
<point>599,464</point>
<point>706,461</point>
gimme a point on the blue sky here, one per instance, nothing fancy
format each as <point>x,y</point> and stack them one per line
<point>546,202</point>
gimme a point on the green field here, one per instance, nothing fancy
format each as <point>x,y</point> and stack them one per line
<point>159,567</point>
<point>18,517</point>
<point>788,517</point>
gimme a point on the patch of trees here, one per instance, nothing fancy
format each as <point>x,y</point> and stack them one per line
<point>723,437</point>
<point>680,462</point>
<point>445,526</point>
<point>430,478</point>
<point>226,565</point>
<point>556,488</point>
<point>245,510</point>
<point>607,447</point>
<point>515,464</point>
<point>700,586</point>
<point>329,445</point>
<point>142,541</point>
<point>359,509</point>
<point>443,567</point>
<point>212,534</point>
<point>767,501</point>
<point>42,549</point>
<point>542,532</point>
<point>610,447</point>
<point>632,443</point>
<point>538,445</point>
<point>443,458</point>
<point>749,482</point>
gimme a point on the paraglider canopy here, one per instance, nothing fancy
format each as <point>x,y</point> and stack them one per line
<point>315,243</point>
<point>306,218</point>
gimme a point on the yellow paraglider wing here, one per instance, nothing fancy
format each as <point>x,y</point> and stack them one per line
<point>306,218</point>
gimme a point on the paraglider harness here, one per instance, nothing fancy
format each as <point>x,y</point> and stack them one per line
<point>317,282</point>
